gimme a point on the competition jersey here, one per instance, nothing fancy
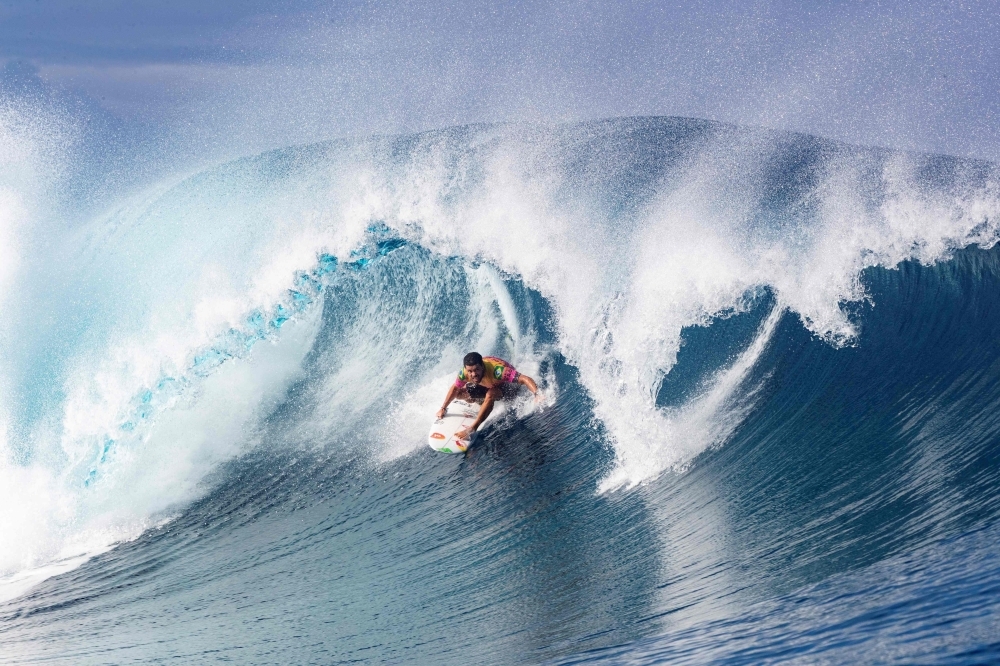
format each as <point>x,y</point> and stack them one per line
<point>498,371</point>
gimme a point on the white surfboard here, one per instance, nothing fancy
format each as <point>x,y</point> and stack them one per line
<point>460,415</point>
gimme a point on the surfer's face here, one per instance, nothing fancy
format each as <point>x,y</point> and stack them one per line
<point>475,373</point>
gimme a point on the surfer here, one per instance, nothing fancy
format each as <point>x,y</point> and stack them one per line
<point>485,380</point>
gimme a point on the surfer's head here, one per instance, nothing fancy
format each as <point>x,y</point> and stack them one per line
<point>474,368</point>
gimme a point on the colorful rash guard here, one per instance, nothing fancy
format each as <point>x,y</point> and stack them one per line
<point>498,371</point>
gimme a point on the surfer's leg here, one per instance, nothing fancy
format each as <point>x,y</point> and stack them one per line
<point>508,391</point>
<point>475,394</point>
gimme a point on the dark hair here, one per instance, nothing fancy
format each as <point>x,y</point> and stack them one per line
<point>473,358</point>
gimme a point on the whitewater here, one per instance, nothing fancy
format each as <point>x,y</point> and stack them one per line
<point>771,373</point>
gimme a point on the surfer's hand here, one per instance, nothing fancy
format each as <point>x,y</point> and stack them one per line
<point>462,434</point>
<point>441,412</point>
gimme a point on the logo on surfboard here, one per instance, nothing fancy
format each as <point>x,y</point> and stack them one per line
<point>437,435</point>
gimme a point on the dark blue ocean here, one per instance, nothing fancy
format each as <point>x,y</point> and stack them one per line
<point>770,430</point>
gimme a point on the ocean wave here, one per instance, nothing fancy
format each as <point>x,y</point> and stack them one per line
<point>768,359</point>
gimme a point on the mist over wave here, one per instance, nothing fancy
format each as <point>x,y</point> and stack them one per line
<point>793,329</point>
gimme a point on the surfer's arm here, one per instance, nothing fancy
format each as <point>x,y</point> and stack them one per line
<point>484,411</point>
<point>447,401</point>
<point>525,380</point>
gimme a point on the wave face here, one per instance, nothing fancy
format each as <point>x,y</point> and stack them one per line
<point>770,430</point>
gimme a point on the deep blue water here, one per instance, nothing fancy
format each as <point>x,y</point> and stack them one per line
<point>836,501</point>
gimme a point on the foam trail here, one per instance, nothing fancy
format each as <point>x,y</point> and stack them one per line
<point>706,420</point>
<point>505,303</point>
